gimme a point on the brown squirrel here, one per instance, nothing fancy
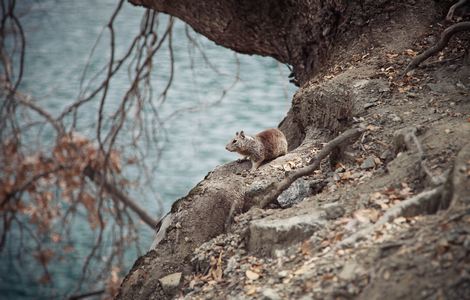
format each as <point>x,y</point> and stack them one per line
<point>266,145</point>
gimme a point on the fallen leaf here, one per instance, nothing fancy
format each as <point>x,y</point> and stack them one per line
<point>410,52</point>
<point>251,275</point>
<point>372,127</point>
<point>250,290</point>
<point>305,248</point>
<point>302,270</point>
<point>399,220</point>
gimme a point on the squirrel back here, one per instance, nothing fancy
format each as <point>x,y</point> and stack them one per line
<point>266,145</point>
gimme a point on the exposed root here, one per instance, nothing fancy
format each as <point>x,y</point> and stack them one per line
<point>443,41</point>
<point>406,138</point>
<point>453,8</point>
<point>427,201</point>
<point>275,189</point>
<point>457,187</point>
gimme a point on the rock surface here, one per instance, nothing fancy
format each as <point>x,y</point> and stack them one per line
<point>265,236</point>
<point>170,283</point>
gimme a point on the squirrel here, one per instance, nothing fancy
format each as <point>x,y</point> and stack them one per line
<point>266,145</point>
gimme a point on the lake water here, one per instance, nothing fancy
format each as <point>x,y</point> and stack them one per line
<point>60,36</point>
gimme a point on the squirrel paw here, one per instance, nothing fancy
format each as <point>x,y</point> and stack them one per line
<point>240,160</point>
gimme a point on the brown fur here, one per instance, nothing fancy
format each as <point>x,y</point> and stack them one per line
<point>264,146</point>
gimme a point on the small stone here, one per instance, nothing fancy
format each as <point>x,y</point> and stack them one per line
<point>386,155</point>
<point>171,282</point>
<point>369,163</point>
<point>295,193</point>
<point>431,39</point>
<point>336,177</point>
<point>466,243</point>
<point>333,211</point>
<point>394,118</point>
<point>368,105</point>
<point>282,274</point>
<point>360,83</point>
<point>460,85</point>
<point>270,294</point>
<point>384,89</point>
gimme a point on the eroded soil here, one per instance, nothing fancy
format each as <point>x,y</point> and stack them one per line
<point>420,257</point>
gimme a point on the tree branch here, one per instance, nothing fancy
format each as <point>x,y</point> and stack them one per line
<point>118,195</point>
<point>25,100</point>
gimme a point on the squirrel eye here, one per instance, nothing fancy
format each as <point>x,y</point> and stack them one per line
<point>233,142</point>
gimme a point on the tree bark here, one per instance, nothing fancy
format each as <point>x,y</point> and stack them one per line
<point>301,33</point>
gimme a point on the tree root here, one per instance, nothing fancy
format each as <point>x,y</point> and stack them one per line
<point>406,138</point>
<point>453,8</point>
<point>268,195</point>
<point>443,41</point>
<point>456,189</point>
<point>428,201</point>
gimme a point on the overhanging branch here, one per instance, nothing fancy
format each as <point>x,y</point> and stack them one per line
<point>118,195</point>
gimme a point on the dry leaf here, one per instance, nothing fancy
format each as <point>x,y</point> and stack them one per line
<point>251,275</point>
<point>305,248</point>
<point>302,270</point>
<point>250,290</point>
<point>410,52</point>
<point>346,175</point>
<point>372,127</point>
<point>399,220</point>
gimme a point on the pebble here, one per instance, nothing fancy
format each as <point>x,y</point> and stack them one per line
<point>394,118</point>
<point>369,163</point>
<point>170,282</point>
<point>282,274</point>
<point>384,89</point>
<point>270,294</point>
<point>386,155</point>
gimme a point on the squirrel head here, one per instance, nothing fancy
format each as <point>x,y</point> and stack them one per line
<point>237,143</point>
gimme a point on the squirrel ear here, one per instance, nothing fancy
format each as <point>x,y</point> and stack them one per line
<point>236,133</point>
<point>242,134</point>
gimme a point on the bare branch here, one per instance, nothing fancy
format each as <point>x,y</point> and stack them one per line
<point>120,196</point>
<point>26,101</point>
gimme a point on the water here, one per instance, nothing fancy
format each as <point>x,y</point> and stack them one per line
<point>60,36</point>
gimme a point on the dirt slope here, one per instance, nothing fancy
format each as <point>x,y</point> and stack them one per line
<point>334,243</point>
<point>413,257</point>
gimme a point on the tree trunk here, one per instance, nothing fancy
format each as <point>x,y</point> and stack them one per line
<point>301,33</point>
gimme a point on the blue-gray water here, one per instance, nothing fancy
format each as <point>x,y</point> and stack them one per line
<point>60,36</point>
